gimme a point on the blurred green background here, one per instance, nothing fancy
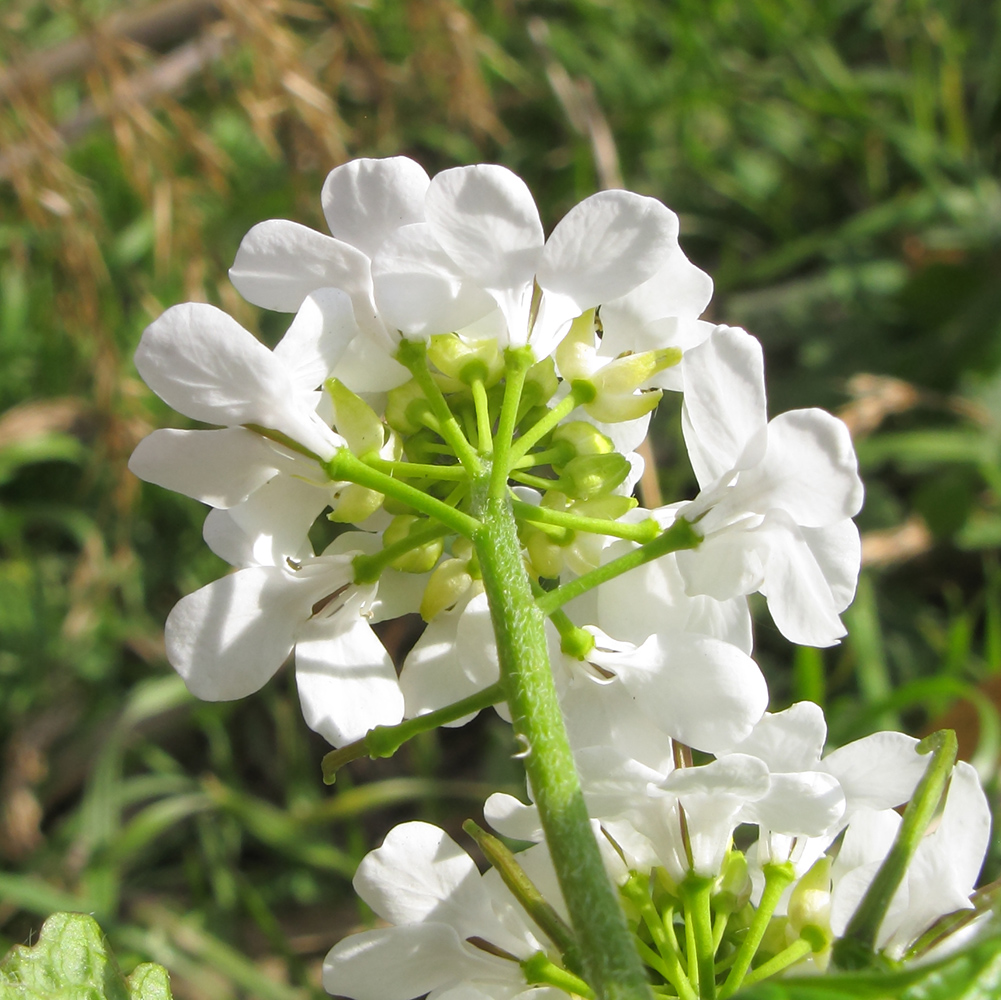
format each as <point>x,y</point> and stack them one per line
<point>835,166</point>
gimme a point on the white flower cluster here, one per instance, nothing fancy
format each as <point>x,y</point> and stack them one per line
<point>382,408</point>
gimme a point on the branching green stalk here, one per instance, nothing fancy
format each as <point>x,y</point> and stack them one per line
<point>368,568</point>
<point>517,362</point>
<point>800,948</point>
<point>645,531</point>
<point>540,970</point>
<point>856,948</point>
<point>611,964</point>
<point>344,466</point>
<point>637,892</point>
<point>580,392</point>
<point>384,741</point>
<point>778,877</point>
<point>681,535</point>
<point>413,355</point>
<point>415,470</point>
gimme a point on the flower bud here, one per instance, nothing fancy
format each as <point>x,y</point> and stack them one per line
<point>354,419</point>
<point>450,580</point>
<point>545,554</point>
<point>405,405</point>
<point>354,503</point>
<point>420,559</point>
<point>733,887</point>
<point>541,383</point>
<point>583,438</point>
<point>810,905</point>
<point>467,361</point>
<point>588,476</point>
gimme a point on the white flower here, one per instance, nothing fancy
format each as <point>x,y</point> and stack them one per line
<point>444,917</point>
<point>204,364</point>
<point>280,263</point>
<point>482,228</point>
<point>228,638</point>
<point>777,497</point>
<point>939,879</point>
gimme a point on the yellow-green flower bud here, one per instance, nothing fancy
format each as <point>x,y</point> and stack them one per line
<point>588,476</point>
<point>450,580</point>
<point>583,438</point>
<point>354,503</point>
<point>354,419</point>
<point>541,384</point>
<point>575,354</point>
<point>544,553</point>
<point>467,361</point>
<point>404,407</point>
<point>733,887</point>
<point>810,905</point>
<point>420,559</point>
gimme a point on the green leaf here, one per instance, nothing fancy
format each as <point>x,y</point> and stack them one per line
<point>71,961</point>
<point>972,974</point>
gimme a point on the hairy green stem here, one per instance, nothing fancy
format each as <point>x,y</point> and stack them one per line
<point>384,741</point>
<point>681,535</point>
<point>611,964</point>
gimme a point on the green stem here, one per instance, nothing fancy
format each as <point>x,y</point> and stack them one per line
<point>517,362</point>
<point>856,948</point>
<point>789,956</point>
<point>696,893</point>
<point>581,391</point>
<point>778,877</point>
<point>482,404</point>
<point>636,890</point>
<point>611,964</point>
<point>344,466</point>
<point>681,535</point>
<point>540,970</point>
<point>645,531</point>
<point>525,891</point>
<point>384,741</point>
<point>415,470</point>
<point>413,355</point>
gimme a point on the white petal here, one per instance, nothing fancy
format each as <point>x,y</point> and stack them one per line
<point>227,639</point>
<point>346,680</point>
<point>368,366</point>
<point>606,246</point>
<point>838,551</point>
<point>726,565</point>
<point>485,218</point>
<point>792,740</point>
<point>269,527</point>
<point>879,771</point>
<point>220,468</point>
<point>809,470</point>
<point>512,818</point>
<point>203,363</point>
<point>419,288</point>
<point>454,658</point>
<point>366,200</point>
<point>725,406</point>
<point>318,337</point>
<point>398,963</point>
<point>799,597</point>
<point>421,874</point>
<point>807,804</point>
<point>279,263</point>
<point>964,833</point>
<point>677,289</point>
<point>702,691</point>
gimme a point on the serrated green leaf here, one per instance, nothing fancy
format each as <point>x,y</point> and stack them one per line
<point>71,961</point>
<point>971,974</point>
